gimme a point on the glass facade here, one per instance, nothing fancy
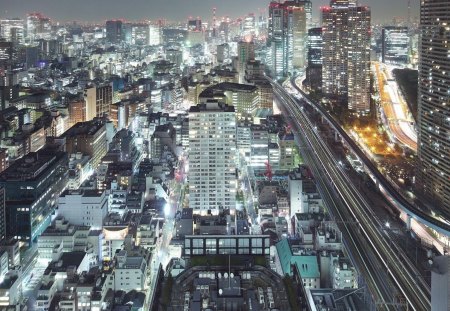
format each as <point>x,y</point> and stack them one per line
<point>395,45</point>
<point>227,245</point>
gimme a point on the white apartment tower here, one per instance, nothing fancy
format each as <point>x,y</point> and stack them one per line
<point>433,176</point>
<point>346,53</point>
<point>212,158</point>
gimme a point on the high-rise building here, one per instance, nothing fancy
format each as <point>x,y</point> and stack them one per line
<point>346,53</point>
<point>32,185</point>
<point>395,45</point>
<point>114,31</point>
<point>6,51</point>
<point>195,25</point>
<point>98,100</point>
<point>249,26</point>
<point>155,34</point>
<point>433,176</point>
<point>77,112</point>
<point>287,38</point>
<point>315,43</point>
<point>212,158</point>
<point>12,30</point>
<point>140,34</point>
<point>38,26</point>
<point>246,52</point>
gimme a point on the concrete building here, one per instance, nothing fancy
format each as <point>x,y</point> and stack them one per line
<point>32,185</point>
<point>300,262</point>
<point>303,195</point>
<point>259,148</point>
<point>212,158</point>
<point>343,274</point>
<point>67,237</point>
<point>243,97</point>
<point>98,100</point>
<point>346,53</point>
<point>87,138</point>
<point>83,208</point>
<point>130,272</point>
<point>433,175</point>
<point>80,169</point>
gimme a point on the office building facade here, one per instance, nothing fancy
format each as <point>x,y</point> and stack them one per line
<point>98,100</point>
<point>32,185</point>
<point>114,31</point>
<point>395,45</point>
<point>287,37</point>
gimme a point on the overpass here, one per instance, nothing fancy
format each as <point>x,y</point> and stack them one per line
<point>383,183</point>
<point>386,269</point>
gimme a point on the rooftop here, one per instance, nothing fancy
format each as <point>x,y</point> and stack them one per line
<point>31,166</point>
<point>88,128</point>
<point>212,106</point>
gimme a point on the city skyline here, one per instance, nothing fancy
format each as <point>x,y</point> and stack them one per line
<point>99,10</point>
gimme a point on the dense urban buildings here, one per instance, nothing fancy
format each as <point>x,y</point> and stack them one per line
<point>433,174</point>
<point>287,38</point>
<point>205,161</point>
<point>346,53</point>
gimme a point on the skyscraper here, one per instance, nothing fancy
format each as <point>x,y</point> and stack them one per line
<point>114,31</point>
<point>246,52</point>
<point>396,44</point>
<point>433,176</point>
<point>346,53</point>
<point>12,30</point>
<point>212,158</point>
<point>38,26</point>
<point>288,24</point>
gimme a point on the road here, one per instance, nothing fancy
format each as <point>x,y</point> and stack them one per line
<point>346,204</point>
<point>397,118</point>
<point>161,254</point>
<point>414,211</point>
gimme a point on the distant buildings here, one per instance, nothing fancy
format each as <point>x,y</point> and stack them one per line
<point>433,175</point>
<point>114,31</point>
<point>395,45</point>
<point>346,53</point>
<point>12,30</point>
<point>287,38</point>
<point>212,158</point>
<point>246,52</point>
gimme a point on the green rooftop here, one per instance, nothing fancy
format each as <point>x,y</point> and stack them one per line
<point>306,264</point>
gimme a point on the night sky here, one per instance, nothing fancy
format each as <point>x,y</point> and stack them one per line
<point>99,10</point>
